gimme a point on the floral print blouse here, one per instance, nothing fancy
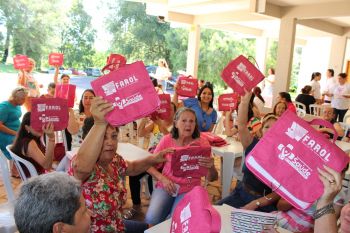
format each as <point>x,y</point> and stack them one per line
<point>105,196</point>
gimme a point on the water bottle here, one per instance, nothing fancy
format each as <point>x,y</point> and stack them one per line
<point>234,117</point>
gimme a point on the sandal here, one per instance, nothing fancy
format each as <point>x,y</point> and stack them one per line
<point>129,214</point>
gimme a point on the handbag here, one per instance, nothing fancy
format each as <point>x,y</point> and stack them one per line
<point>130,90</point>
<point>56,59</point>
<point>214,140</point>
<point>67,92</point>
<point>164,110</point>
<point>114,62</point>
<point>187,86</point>
<point>241,74</point>
<point>194,214</point>
<point>20,62</point>
<point>228,102</point>
<point>184,161</point>
<point>289,165</point>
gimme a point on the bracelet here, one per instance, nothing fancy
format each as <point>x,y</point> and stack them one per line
<point>328,209</point>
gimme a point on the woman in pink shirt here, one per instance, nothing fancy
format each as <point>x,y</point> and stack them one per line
<point>170,189</point>
<point>285,97</point>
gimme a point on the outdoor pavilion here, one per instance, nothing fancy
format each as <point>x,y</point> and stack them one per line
<point>322,27</point>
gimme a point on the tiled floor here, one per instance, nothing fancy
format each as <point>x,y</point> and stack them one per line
<point>214,190</point>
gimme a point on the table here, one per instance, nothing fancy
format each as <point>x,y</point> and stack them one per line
<point>131,152</point>
<point>225,213</point>
<point>228,153</point>
<point>345,146</point>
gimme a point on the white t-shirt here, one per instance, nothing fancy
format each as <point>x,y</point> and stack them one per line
<point>259,103</point>
<point>162,73</point>
<point>269,82</point>
<point>330,84</point>
<point>316,89</point>
<point>339,101</point>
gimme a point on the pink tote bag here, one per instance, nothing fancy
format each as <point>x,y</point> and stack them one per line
<point>164,110</point>
<point>56,59</point>
<point>20,62</point>
<point>241,74</point>
<point>66,91</point>
<point>130,90</point>
<point>195,214</point>
<point>287,157</point>
<point>114,62</point>
<point>187,86</point>
<point>184,161</point>
<point>45,110</point>
<point>228,102</point>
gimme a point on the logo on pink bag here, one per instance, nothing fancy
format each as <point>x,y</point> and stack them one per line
<point>242,68</point>
<point>185,216</point>
<point>112,87</point>
<point>300,134</point>
<point>122,103</point>
<point>294,161</point>
<point>188,167</point>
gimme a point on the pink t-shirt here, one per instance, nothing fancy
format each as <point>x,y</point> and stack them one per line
<point>291,107</point>
<point>186,183</point>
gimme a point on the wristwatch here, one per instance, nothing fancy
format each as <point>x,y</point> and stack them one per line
<point>257,203</point>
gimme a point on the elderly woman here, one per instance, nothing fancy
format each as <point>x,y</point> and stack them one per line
<point>206,115</point>
<point>251,193</point>
<point>328,115</point>
<point>103,172</point>
<point>54,203</point>
<point>184,133</point>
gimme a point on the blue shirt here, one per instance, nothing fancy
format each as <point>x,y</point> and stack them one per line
<point>9,116</point>
<point>204,120</point>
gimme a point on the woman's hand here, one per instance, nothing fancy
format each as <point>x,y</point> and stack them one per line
<point>159,157</point>
<point>332,183</point>
<point>246,97</point>
<point>99,108</point>
<point>207,162</point>
<point>169,186</point>
<point>48,129</point>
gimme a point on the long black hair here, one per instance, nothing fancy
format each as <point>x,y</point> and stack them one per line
<point>210,87</point>
<point>314,75</point>
<point>286,96</point>
<point>257,93</point>
<point>81,106</point>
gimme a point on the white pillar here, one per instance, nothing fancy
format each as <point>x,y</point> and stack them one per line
<point>261,44</point>
<point>193,50</point>
<point>284,55</point>
<point>337,55</point>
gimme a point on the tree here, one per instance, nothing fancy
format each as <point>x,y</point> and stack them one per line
<point>78,37</point>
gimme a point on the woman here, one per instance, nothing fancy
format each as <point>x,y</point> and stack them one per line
<point>316,87</point>
<point>328,115</point>
<point>202,105</point>
<point>102,172</point>
<point>64,77</point>
<point>166,195</point>
<point>251,193</point>
<point>269,87</point>
<point>163,73</point>
<point>305,98</point>
<point>341,95</point>
<point>29,145</point>
<point>285,97</point>
<point>258,99</point>
<point>26,79</point>
<point>279,109</point>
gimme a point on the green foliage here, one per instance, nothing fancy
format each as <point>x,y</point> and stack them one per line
<point>176,41</point>
<point>78,38</point>
<point>271,59</point>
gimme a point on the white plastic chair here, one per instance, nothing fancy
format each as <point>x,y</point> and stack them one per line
<point>6,178</point>
<point>346,128</point>
<point>18,161</point>
<point>7,220</point>
<point>301,112</point>
<point>315,109</point>
<point>299,105</point>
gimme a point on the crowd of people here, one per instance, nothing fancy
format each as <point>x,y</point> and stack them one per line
<point>94,192</point>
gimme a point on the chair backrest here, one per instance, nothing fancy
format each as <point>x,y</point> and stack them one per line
<point>219,126</point>
<point>299,105</point>
<point>315,109</point>
<point>301,112</point>
<point>346,119</point>
<point>6,177</point>
<point>346,128</point>
<point>18,161</point>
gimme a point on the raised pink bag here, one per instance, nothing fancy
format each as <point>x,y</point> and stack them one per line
<point>187,86</point>
<point>45,110</point>
<point>114,62</point>
<point>195,214</point>
<point>20,62</point>
<point>287,157</point>
<point>241,74</point>
<point>56,59</point>
<point>164,110</point>
<point>130,90</point>
<point>66,91</point>
<point>228,102</point>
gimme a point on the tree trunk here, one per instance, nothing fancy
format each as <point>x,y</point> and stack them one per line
<point>7,45</point>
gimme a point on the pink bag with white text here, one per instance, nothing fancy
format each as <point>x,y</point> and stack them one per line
<point>45,110</point>
<point>187,87</point>
<point>195,214</point>
<point>241,74</point>
<point>287,157</point>
<point>228,102</point>
<point>184,162</point>
<point>66,91</point>
<point>20,62</point>
<point>114,62</point>
<point>56,59</point>
<point>130,90</point>
<point>164,110</point>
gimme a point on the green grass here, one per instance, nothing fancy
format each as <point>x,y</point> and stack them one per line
<point>7,68</point>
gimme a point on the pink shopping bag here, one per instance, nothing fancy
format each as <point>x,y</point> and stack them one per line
<point>187,87</point>
<point>214,140</point>
<point>164,110</point>
<point>241,74</point>
<point>184,161</point>
<point>20,62</point>
<point>194,214</point>
<point>228,102</point>
<point>66,91</point>
<point>56,59</point>
<point>130,90</point>
<point>287,157</point>
<point>114,61</point>
<point>45,110</point>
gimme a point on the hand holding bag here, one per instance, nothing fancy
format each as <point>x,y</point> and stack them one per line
<point>288,155</point>
<point>195,214</point>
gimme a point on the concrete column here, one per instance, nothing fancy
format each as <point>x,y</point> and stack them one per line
<point>261,44</point>
<point>337,55</point>
<point>284,55</point>
<point>193,50</point>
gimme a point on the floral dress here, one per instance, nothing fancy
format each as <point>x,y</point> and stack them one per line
<point>105,196</point>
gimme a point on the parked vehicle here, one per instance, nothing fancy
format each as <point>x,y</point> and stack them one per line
<point>77,72</point>
<point>51,70</point>
<point>93,72</point>
<point>151,69</point>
